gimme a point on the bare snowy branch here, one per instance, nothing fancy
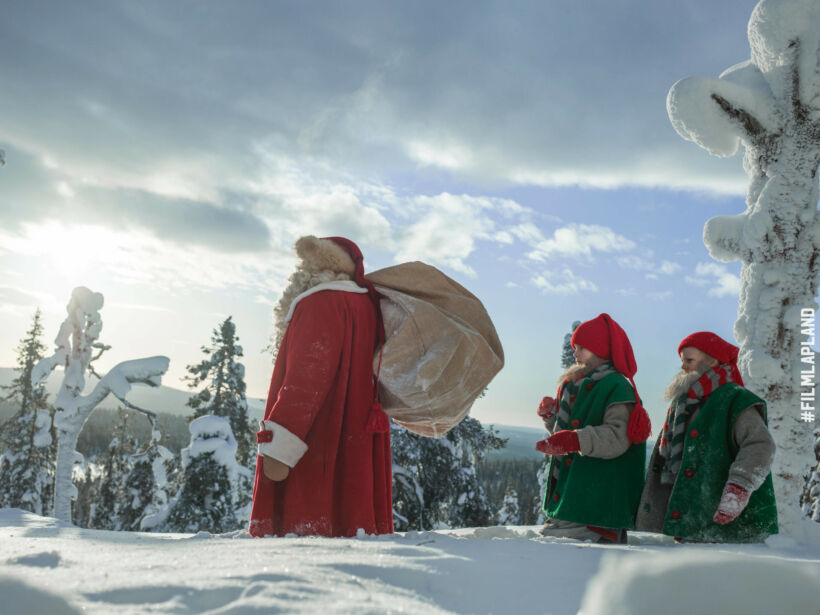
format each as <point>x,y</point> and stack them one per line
<point>149,413</point>
<point>102,348</point>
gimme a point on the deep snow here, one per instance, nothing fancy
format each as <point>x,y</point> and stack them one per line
<point>49,566</point>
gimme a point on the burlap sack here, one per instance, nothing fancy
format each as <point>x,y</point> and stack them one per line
<point>441,351</point>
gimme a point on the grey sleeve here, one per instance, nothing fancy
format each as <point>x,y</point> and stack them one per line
<point>754,459</point>
<point>607,440</point>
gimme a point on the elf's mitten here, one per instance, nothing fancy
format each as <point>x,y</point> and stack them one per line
<point>547,408</point>
<point>559,443</point>
<point>639,426</point>
<point>732,503</point>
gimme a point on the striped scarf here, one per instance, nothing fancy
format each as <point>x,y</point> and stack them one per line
<point>680,413</point>
<point>566,396</point>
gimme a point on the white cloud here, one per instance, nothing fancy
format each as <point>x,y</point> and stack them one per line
<point>444,155</point>
<point>579,240</point>
<point>563,283</point>
<point>68,255</point>
<point>447,227</point>
<point>138,307</point>
<point>724,283</point>
<point>639,263</point>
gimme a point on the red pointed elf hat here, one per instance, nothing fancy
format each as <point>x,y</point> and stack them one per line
<point>605,337</point>
<point>715,346</point>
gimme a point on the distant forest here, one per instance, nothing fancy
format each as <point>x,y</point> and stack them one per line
<point>495,474</point>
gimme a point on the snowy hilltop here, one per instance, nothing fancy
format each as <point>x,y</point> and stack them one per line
<point>50,566</point>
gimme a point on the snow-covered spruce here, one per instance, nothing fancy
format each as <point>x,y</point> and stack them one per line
<point>76,343</point>
<point>145,489</point>
<point>105,509</point>
<point>215,491</point>
<point>567,352</point>
<point>224,394</point>
<point>510,511</point>
<point>434,480</point>
<point>770,104</point>
<point>811,494</point>
<point>29,450</point>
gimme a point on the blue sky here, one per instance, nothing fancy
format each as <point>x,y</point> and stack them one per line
<point>167,155</point>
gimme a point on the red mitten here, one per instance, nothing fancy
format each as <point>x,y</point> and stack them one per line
<point>559,443</point>
<point>547,408</point>
<point>732,503</point>
<point>639,426</point>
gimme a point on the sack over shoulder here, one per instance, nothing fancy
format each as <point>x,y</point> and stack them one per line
<point>441,348</point>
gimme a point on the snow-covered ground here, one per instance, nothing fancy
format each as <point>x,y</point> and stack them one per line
<point>47,566</point>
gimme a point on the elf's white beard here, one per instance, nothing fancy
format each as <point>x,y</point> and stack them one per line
<point>573,372</point>
<point>684,380</point>
<point>299,281</point>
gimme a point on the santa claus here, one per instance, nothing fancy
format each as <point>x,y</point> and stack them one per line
<point>324,446</point>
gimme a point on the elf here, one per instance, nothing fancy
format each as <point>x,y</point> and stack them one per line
<point>709,475</point>
<point>597,446</point>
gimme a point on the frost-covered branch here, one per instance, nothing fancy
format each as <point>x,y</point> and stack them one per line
<point>751,126</point>
<point>119,379</point>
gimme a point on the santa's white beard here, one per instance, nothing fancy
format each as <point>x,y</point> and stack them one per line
<point>298,282</point>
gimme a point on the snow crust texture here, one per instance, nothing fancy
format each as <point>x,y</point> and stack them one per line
<point>699,580</point>
<point>58,568</point>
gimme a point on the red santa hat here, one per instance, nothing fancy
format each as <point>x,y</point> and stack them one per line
<point>605,337</point>
<point>715,346</point>
<point>340,255</point>
<point>358,276</point>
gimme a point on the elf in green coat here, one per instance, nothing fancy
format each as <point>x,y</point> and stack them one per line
<point>709,475</point>
<point>598,429</point>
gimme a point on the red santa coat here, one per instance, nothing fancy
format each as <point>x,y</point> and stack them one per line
<point>321,394</point>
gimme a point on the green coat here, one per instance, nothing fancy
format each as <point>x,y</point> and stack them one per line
<point>685,509</point>
<point>590,490</point>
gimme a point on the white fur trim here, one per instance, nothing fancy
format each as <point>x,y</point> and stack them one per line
<point>348,286</point>
<point>285,447</point>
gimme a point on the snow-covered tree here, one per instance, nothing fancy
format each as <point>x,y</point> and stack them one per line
<point>27,457</point>
<point>76,344</point>
<point>110,493</point>
<point>434,480</point>
<point>145,489</point>
<point>86,482</point>
<point>567,354</point>
<point>225,393</point>
<point>214,492</point>
<point>770,104</point>
<point>510,512</point>
<point>538,504</point>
